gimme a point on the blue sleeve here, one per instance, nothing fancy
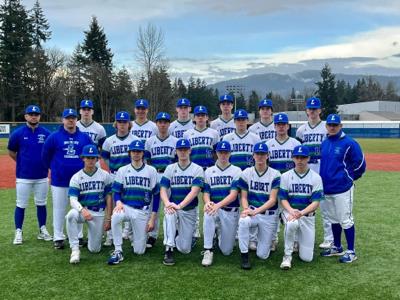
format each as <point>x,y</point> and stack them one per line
<point>198,181</point>
<point>156,198</point>
<point>165,182</point>
<point>207,188</point>
<point>147,156</point>
<point>48,151</point>
<point>117,189</point>
<point>105,154</point>
<point>356,161</point>
<point>317,196</point>
<point>13,142</point>
<point>101,142</point>
<point>235,185</point>
<point>242,184</point>
<point>74,192</point>
<point>283,194</point>
<point>276,183</point>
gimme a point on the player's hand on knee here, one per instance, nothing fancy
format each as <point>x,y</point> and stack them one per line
<point>169,210</point>
<point>208,207</point>
<point>150,226</point>
<point>107,225</point>
<point>245,213</point>
<point>86,214</point>
<point>214,209</point>
<point>119,207</point>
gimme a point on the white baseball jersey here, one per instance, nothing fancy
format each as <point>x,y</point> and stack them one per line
<point>264,131</point>
<point>144,131</point>
<point>94,130</point>
<point>223,127</point>
<point>177,128</point>
<point>202,144</point>
<point>312,137</point>
<point>242,148</point>
<point>280,154</point>
<point>160,153</point>
<point>115,150</point>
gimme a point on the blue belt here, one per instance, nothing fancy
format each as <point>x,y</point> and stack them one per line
<point>95,208</point>
<point>141,207</point>
<point>230,208</point>
<point>269,212</point>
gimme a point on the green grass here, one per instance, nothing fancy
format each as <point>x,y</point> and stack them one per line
<point>35,270</point>
<point>380,145</point>
<point>3,146</point>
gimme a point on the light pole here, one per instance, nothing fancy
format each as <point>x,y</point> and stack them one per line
<point>235,89</point>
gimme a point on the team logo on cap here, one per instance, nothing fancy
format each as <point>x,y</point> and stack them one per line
<point>223,146</point>
<point>141,102</point>
<point>333,118</point>
<point>34,108</point>
<point>183,101</point>
<point>200,108</point>
<point>183,143</point>
<point>240,113</point>
<point>137,144</point>
<point>122,115</point>
<point>312,102</point>
<point>90,150</point>
<point>260,147</point>
<point>163,115</point>
<point>280,117</point>
<point>300,150</point>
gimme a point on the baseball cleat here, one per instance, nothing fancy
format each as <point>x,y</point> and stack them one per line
<point>274,245</point>
<point>150,242</point>
<point>334,251</point>
<point>59,245</point>
<point>296,247</point>
<point>75,256</point>
<point>286,262</point>
<point>252,245</point>
<point>169,258</point>
<point>82,242</point>
<point>326,244</point>
<point>108,242</point>
<point>44,234</point>
<point>245,262</point>
<point>348,257</point>
<point>115,258</point>
<point>207,258</point>
<point>18,237</point>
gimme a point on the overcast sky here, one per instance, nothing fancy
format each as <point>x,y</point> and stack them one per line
<point>218,40</point>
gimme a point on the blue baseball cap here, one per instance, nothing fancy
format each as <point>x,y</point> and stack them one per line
<point>69,112</point>
<point>260,147</point>
<point>182,144</point>
<point>163,116</point>
<point>333,119</point>
<point>301,150</point>
<point>183,102</point>
<point>122,116</point>
<point>313,102</point>
<point>281,118</point>
<point>136,146</point>
<point>142,103</point>
<point>240,114</point>
<point>32,109</point>
<point>86,103</point>
<point>90,151</point>
<point>200,110</point>
<point>226,98</point>
<point>265,103</point>
<point>223,146</point>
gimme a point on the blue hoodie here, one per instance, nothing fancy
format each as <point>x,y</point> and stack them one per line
<point>342,162</point>
<point>61,153</point>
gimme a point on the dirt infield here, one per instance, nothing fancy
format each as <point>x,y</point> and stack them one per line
<point>375,162</point>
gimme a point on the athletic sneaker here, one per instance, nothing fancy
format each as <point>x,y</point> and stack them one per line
<point>334,251</point>
<point>295,247</point>
<point>59,245</point>
<point>252,245</point>
<point>207,258</point>
<point>75,256</point>
<point>108,242</point>
<point>115,258</point>
<point>348,257</point>
<point>286,262</point>
<point>274,245</point>
<point>18,237</point>
<point>169,258</point>
<point>326,244</point>
<point>150,242</point>
<point>82,242</point>
<point>245,262</point>
<point>44,234</point>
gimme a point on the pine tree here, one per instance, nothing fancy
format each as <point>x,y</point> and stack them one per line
<point>327,91</point>
<point>123,91</point>
<point>40,26</point>
<point>254,99</point>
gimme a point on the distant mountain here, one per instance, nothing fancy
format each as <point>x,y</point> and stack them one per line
<point>300,81</point>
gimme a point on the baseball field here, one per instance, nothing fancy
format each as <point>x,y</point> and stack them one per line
<point>36,270</point>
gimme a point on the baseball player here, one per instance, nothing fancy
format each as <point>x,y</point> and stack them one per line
<point>300,194</point>
<point>91,203</point>
<point>221,204</point>
<point>184,181</point>
<point>265,127</point>
<point>259,187</point>
<point>224,124</point>
<point>184,122</point>
<point>160,152</point>
<point>202,139</point>
<point>136,196</point>
<point>25,148</point>
<point>312,134</point>
<point>61,153</point>
<point>242,141</point>
<point>342,162</point>
<point>141,126</point>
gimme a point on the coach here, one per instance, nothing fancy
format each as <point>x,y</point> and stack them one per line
<point>342,162</point>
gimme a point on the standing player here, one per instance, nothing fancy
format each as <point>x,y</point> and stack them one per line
<point>312,134</point>
<point>184,122</point>
<point>25,147</point>
<point>242,141</point>
<point>61,154</point>
<point>265,127</point>
<point>184,181</point>
<point>221,204</point>
<point>300,194</point>
<point>342,162</point>
<point>202,139</point>
<point>91,202</point>
<point>136,191</point>
<point>224,124</point>
<point>141,126</point>
<point>160,153</point>
<point>259,187</point>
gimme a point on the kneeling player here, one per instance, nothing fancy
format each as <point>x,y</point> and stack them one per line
<point>90,198</point>
<point>184,181</point>
<point>300,193</point>
<point>135,191</point>
<point>259,187</point>
<point>221,204</point>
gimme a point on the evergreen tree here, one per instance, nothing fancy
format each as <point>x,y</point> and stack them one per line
<point>254,99</point>
<point>391,92</point>
<point>77,83</point>
<point>40,25</point>
<point>240,102</point>
<point>327,91</point>
<point>123,91</point>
